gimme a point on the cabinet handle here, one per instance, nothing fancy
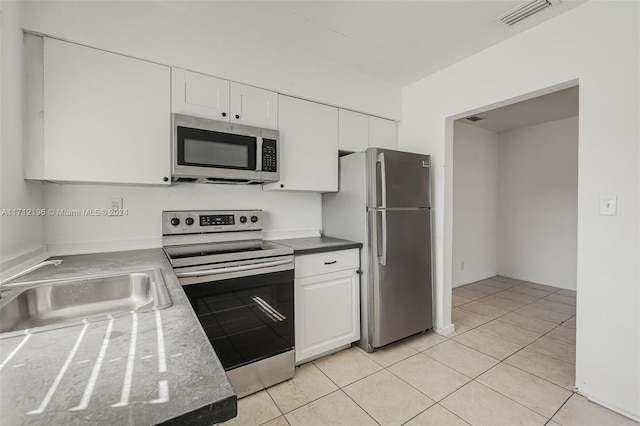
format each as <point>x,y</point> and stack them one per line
<point>237,116</point>
<point>331,263</point>
<point>224,114</point>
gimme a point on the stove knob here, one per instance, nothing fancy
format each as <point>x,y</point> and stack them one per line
<point>243,219</point>
<point>189,221</point>
<point>254,219</point>
<point>175,221</point>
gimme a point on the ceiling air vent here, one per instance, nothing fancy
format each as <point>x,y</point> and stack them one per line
<point>474,118</point>
<point>524,11</point>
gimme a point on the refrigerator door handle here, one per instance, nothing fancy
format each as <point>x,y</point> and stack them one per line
<point>383,177</point>
<point>382,259</point>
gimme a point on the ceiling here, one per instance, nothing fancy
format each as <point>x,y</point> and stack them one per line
<point>554,106</point>
<point>395,41</point>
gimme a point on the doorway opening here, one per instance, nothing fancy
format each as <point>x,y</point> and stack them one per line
<point>511,237</point>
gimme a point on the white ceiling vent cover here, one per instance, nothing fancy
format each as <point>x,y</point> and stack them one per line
<point>524,11</point>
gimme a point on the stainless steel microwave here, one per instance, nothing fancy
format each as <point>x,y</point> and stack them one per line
<point>209,151</point>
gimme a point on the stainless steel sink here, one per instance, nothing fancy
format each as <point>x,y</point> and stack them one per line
<point>62,302</point>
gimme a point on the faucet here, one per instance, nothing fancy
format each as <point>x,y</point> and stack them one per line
<point>55,262</point>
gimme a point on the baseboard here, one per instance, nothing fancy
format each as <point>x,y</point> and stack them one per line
<point>87,247</point>
<point>21,262</point>
<point>609,406</point>
<point>289,233</point>
<point>446,330</point>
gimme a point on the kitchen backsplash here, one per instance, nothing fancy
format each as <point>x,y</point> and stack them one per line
<point>75,222</point>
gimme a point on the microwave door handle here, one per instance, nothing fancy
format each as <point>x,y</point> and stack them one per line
<point>240,268</point>
<point>259,153</point>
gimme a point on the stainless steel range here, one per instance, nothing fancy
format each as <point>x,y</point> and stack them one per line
<point>241,289</point>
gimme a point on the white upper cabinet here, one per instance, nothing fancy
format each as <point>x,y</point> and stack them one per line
<point>199,95</point>
<point>94,116</point>
<point>354,131</point>
<point>308,146</point>
<point>360,131</point>
<point>205,96</point>
<point>253,106</point>
<point>382,133</point>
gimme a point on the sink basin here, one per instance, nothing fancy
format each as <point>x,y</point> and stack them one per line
<point>63,302</point>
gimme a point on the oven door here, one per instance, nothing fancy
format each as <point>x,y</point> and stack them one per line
<point>246,318</point>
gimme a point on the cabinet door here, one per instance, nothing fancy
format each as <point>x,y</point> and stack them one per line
<point>327,312</point>
<point>354,131</point>
<point>308,146</point>
<point>382,133</point>
<point>199,95</point>
<point>107,116</point>
<point>253,106</point>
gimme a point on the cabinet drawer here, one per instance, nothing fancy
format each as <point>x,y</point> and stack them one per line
<point>324,263</point>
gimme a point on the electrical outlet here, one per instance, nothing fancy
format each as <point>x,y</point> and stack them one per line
<point>115,205</point>
<point>462,265</point>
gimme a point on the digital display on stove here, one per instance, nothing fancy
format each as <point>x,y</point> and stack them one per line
<point>217,219</point>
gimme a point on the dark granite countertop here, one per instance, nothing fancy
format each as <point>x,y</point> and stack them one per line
<point>311,245</point>
<point>139,368</point>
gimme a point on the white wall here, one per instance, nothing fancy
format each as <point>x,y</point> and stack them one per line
<point>285,212</point>
<point>168,33</point>
<point>20,236</point>
<point>538,203</point>
<point>475,202</point>
<point>597,43</point>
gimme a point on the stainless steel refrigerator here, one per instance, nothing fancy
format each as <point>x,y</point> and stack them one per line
<point>384,202</point>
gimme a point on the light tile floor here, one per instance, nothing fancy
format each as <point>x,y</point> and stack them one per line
<point>511,361</point>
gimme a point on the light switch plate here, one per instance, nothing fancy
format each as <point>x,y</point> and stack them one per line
<point>608,205</point>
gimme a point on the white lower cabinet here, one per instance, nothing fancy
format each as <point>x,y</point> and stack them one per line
<point>327,303</point>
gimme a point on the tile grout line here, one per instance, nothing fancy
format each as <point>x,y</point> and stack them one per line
<point>560,408</point>
<point>278,408</point>
<point>508,397</point>
<point>472,378</point>
<point>422,352</point>
<point>341,388</point>
<point>511,399</point>
<point>359,406</point>
<point>512,311</point>
<point>434,401</point>
<point>475,379</point>
<point>524,347</point>
<point>333,391</point>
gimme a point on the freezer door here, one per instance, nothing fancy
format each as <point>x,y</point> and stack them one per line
<point>397,179</point>
<point>400,271</point>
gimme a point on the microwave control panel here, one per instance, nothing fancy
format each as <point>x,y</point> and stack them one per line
<point>269,156</point>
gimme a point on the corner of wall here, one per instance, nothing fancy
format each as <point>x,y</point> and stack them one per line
<point>21,222</point>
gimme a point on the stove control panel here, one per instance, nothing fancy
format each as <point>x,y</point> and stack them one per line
<point>205,221</point>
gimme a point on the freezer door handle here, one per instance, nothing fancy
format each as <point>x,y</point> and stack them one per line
<point>383,180</point>
<point>382,258</point>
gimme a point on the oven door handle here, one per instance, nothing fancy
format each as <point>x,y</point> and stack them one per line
<point>228,269</point>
